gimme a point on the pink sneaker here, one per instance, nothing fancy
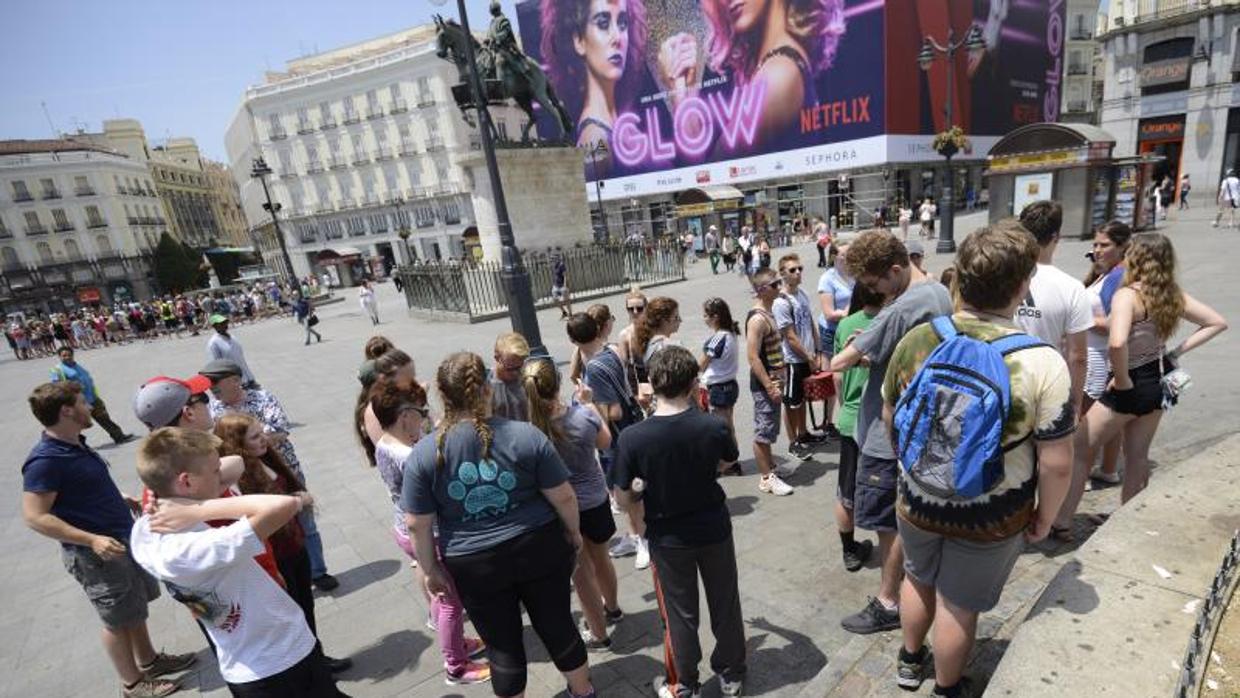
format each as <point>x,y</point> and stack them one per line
<point>474,647</point>
<point>473,672</point>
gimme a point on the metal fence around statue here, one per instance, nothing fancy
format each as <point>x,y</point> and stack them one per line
<point>474,291</point>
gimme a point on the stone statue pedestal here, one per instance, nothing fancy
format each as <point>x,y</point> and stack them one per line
<point>546,194</point>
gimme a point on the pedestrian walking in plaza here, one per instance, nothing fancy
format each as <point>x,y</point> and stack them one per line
<point>763,254</point>
<point>1228,199</point>
<point>366,297</point>
<point>881,262</point>
<point>676,456</point>
<point>746,245</point>
<point>822,240</point>
<point>719,362</point>
<point>766,375</point>
<point>303,311</point>
<point>507,523</point>
<point>864,305</point>
<point>607,377</point>
<point>400,407</point>
<point>728,249</point>
<point>1145,313</point>
<point>231,396</point>
<point>69,496</point>
<point>711,243</point>
<point>263,643</point>
<point>835,290</point>
<point>68,369</point>
<point>1185,187</point>
<point>962,526</point>
<point>906,217</point>
<point>925,214</point>
<point>267,473</point>
<point>223,345</point>
<point>1057,309</point>
<point>799,342</point>
<point>559,284</point>
<point>578,431</point>
<point>508,398</point>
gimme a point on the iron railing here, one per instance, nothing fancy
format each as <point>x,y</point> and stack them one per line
<point>474,291</point>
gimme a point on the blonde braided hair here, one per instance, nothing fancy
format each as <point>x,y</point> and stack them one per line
<point>461,380</point>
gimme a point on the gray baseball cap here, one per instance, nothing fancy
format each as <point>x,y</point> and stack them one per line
<point>915,247</point>
<point>221,368</point>
<point>159,401</point>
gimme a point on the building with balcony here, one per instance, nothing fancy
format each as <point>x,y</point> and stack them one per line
<point>1080,90</point>
<point>78,223</point>
<point>362,142</point>
<point>226,200</point>
<point>1170,69</point>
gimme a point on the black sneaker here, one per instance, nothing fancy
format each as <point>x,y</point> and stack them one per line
<point>734,469</point>
<point>813,439</point>
<point>964,688</point>
<point>860,553</point>
<point>913,669</point>
<point>831,432</point>
<point>325,583</point>
<point>800,451</point>
<point>594,644</point>
<point>872,619</point>
<point>337,665</point>
<point>614,615</point>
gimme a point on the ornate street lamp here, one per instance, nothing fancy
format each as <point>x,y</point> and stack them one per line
<point>260,171</point>
<point>598,150</point>
<point>948,142</point>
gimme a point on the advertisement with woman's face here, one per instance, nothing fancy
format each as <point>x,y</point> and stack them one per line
<point>667,84</point>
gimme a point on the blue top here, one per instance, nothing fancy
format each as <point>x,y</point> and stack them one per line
<point>841,290</point>
<point>78,374</point>
<point>86,496</point>
<point>480,504</point>
<point>1114,279</point>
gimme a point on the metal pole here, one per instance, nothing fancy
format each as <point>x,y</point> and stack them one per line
<point>515,278</point>
<point>947,231</point>
<point>275,221</point>
<point>598,194</point>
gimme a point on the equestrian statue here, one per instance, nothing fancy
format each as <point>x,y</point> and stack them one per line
<point>506,72</point>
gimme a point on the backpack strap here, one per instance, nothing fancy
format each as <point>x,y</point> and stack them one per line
<point>1019,341</point>
<point>944,327</point>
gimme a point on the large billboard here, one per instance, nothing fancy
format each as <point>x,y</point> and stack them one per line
<point>692,92</point>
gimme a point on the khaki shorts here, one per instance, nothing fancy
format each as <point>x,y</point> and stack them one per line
<point>969,574</point>
<point>118,588</point>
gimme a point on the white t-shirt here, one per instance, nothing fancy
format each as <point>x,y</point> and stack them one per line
<point>257,629</point>
<point>1229,190</point>
<point>1056,306</point>
<point>721,348</point>
<point>1097,341</point>
<point>795,311</point>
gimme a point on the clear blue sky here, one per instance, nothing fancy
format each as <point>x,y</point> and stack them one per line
<point>179,67</point>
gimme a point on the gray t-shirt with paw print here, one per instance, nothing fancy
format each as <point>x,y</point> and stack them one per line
<point>481,502</point>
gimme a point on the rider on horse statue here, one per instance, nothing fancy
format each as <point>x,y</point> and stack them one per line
<point>506,57</point>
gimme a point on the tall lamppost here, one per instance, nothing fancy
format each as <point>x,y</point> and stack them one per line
<point>513,274</point>
<point>402,229</point>
<point>260,171</point>
<point>931,49</point>
<point>599,149</point>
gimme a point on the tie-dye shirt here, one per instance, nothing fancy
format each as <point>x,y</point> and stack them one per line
<point>1041,409</point>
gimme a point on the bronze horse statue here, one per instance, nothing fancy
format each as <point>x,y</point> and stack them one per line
<point>526,85</point>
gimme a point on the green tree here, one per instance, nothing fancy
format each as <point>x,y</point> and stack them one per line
<point>174,271</point>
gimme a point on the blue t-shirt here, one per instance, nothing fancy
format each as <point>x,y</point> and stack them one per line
<point>78,374</point>
<point>1111,284</point>
<point>841,291</point>
<point>479,503</point>
<point>86,496</point>
<point>604,374</point>
<point>581,426</point>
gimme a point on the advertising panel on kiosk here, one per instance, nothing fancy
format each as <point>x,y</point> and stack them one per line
<point>687,93</point>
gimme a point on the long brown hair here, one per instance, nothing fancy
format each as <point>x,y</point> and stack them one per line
<point>461,380</point>
<point>659,311</point>
<point>231,430</point>
<point>383,366</point>
<point>1118,233</point>
<point>1150,262</point>
<point>541,381</point>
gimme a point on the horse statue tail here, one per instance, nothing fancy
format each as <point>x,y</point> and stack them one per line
<point>566,123</point>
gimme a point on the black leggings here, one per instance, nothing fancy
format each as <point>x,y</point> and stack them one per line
<point>531,571</point>
<point>296,572</point>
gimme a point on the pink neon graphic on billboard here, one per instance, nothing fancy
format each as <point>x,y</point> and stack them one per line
<point>694,124</point>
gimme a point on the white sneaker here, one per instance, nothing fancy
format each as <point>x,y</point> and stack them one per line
<point>642,561</point>
<point>771,484</point>
<point>622,546</point>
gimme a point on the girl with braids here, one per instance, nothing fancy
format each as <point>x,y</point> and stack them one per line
<point>399,404</point>
<point>266,472</point>
<point>718,364</point>
<point>508,529</point>
<point>1144,315</point>
<point>577,431</point>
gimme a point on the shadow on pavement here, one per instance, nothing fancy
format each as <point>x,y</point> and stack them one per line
<point>742,505</point>
<point>637,670</point>
<point>771,668</point>
<point>364,575</point>
<point>386,657</point>
<point>1071,594</point>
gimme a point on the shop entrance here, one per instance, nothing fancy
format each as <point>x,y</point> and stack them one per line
<point>1163,137</point>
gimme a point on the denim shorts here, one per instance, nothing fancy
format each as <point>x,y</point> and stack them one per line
<point>723,395</point>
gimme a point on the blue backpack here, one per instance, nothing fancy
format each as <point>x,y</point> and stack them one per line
<point>949,421</point>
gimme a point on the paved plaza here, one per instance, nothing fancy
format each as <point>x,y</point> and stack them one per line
<point>794,588</point>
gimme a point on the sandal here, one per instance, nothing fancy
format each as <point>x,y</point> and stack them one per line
<point>1062,534</point>
<point>1097,519</point>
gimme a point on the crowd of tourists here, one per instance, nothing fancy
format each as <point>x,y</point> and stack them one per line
<point>968,411</point>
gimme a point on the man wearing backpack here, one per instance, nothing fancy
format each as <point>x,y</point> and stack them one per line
<point>966,509</point>
<point>881,262</point>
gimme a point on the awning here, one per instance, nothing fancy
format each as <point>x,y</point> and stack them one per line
<point>226,250</point>
<point>335,252</point>
<point>700,201</point>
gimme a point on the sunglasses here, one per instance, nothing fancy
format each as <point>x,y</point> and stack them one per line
<point>794,270</point>
<point>634,309</point>
<point>199,399</point>
<point>774,284</point>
